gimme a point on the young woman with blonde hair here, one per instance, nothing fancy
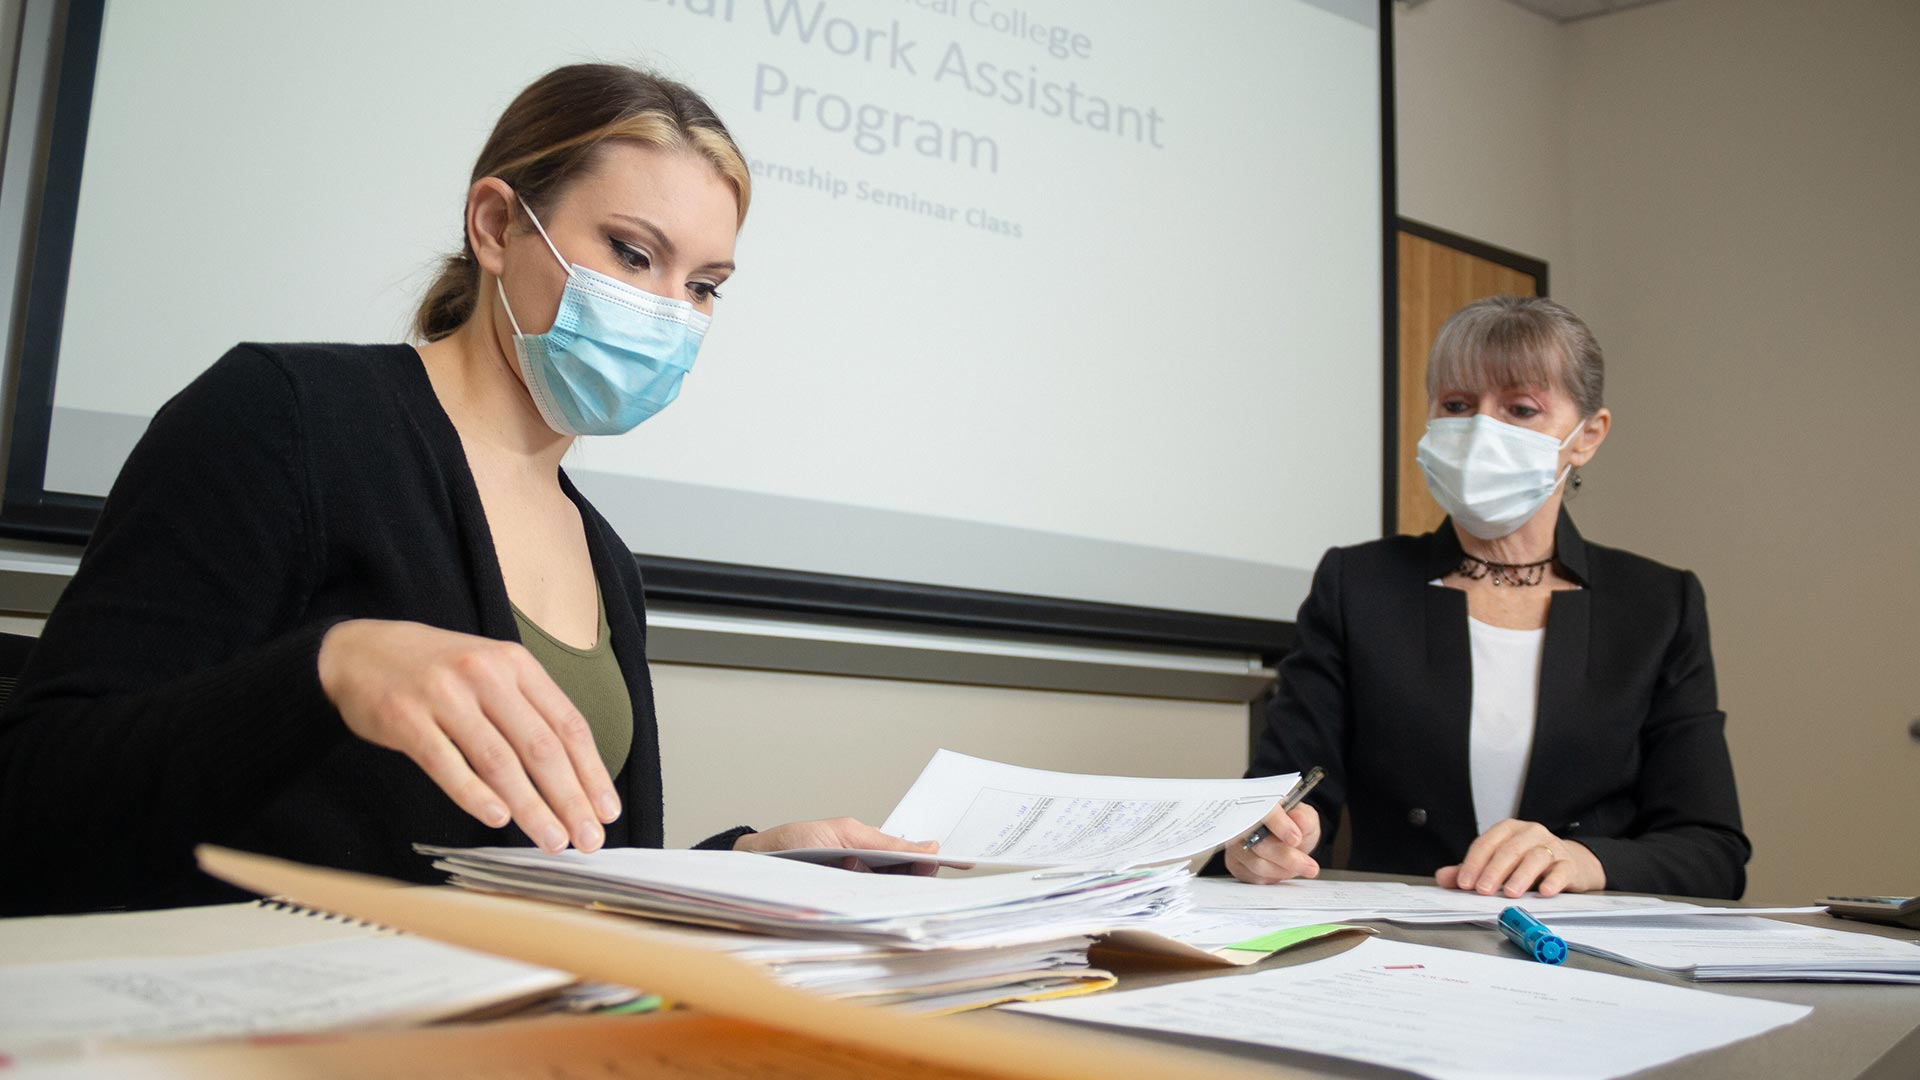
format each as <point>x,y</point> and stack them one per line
<point>343,598</point>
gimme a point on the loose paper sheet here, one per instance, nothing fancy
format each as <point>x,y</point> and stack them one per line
<point>991,814</point>
<point>1214,928</point>
<point>1399,902</point>
<point>1445,1014</point>
<point>1732,947</point>
<point>1351,899</point>
<point>1416,905</point>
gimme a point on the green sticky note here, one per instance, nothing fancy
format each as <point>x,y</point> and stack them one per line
<point>1288,938</point>
<point>643,1004</point>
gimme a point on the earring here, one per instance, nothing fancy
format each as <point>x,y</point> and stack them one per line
<point>1575,480</point>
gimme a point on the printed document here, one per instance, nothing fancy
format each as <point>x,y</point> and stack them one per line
<point>1401,903</point>
<point>986,813</point>
<point>1732,947</point>
<point>1443,1013</point>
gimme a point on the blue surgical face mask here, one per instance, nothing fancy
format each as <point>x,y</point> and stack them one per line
<point>1491,477</point>
<point>615,354</point>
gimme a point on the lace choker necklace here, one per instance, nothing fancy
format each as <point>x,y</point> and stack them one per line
<point>1473,568</point>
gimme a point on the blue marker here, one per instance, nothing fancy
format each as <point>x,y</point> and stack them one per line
<point>1532,936</point>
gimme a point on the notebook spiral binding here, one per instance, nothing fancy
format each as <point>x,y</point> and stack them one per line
<point>281,903</point>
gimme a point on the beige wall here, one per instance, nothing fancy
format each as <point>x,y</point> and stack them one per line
<point>1743,231</point>
<point>759,748</point>
<point>1481,83</point>
<point>1745,200</point>
<point>750,747</point>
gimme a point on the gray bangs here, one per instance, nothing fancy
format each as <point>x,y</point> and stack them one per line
<point>1505,342</point>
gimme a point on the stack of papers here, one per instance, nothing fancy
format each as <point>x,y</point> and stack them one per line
<point>928,943</point>
<point>740,1023</point>
<point>916,980</point>
<point>1732,947</point>
<point>742,891</point>
<point>1111,854</point>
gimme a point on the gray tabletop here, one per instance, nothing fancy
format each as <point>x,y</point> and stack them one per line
<point>1856,1030</point>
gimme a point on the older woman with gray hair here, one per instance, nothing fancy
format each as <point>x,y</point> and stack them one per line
<point>1501,703</point>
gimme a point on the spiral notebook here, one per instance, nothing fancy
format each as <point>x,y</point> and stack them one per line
<point>69,983</point>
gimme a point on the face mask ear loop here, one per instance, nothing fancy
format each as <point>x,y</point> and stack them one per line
<point>1571,435</point>
<point>1568,471</point>
<point>531,216</point>
<point>500,285</point>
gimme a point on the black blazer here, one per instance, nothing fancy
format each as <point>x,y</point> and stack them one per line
<point>1629,750</point>
<point>174,697</point>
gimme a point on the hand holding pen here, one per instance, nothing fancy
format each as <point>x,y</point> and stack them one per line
<point>1278,849</point>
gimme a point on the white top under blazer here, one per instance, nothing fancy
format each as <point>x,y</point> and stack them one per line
<point>1506,693</point>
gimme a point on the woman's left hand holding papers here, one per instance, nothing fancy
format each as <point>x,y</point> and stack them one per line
<point>841,833</point>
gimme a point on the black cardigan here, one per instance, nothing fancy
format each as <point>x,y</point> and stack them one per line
<point>174,696</point>
<point>1629,750</point>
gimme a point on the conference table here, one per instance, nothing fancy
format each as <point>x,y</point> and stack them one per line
<point>1857,1031</point>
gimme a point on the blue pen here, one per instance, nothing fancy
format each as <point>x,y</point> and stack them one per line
<point>1532,936</point>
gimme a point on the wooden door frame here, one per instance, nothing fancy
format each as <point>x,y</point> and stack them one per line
<point>1479,249</point>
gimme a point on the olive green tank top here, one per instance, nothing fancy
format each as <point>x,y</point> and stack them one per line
<point>592,680</point>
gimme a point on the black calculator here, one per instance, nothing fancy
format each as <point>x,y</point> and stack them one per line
<point>1892,910</point>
